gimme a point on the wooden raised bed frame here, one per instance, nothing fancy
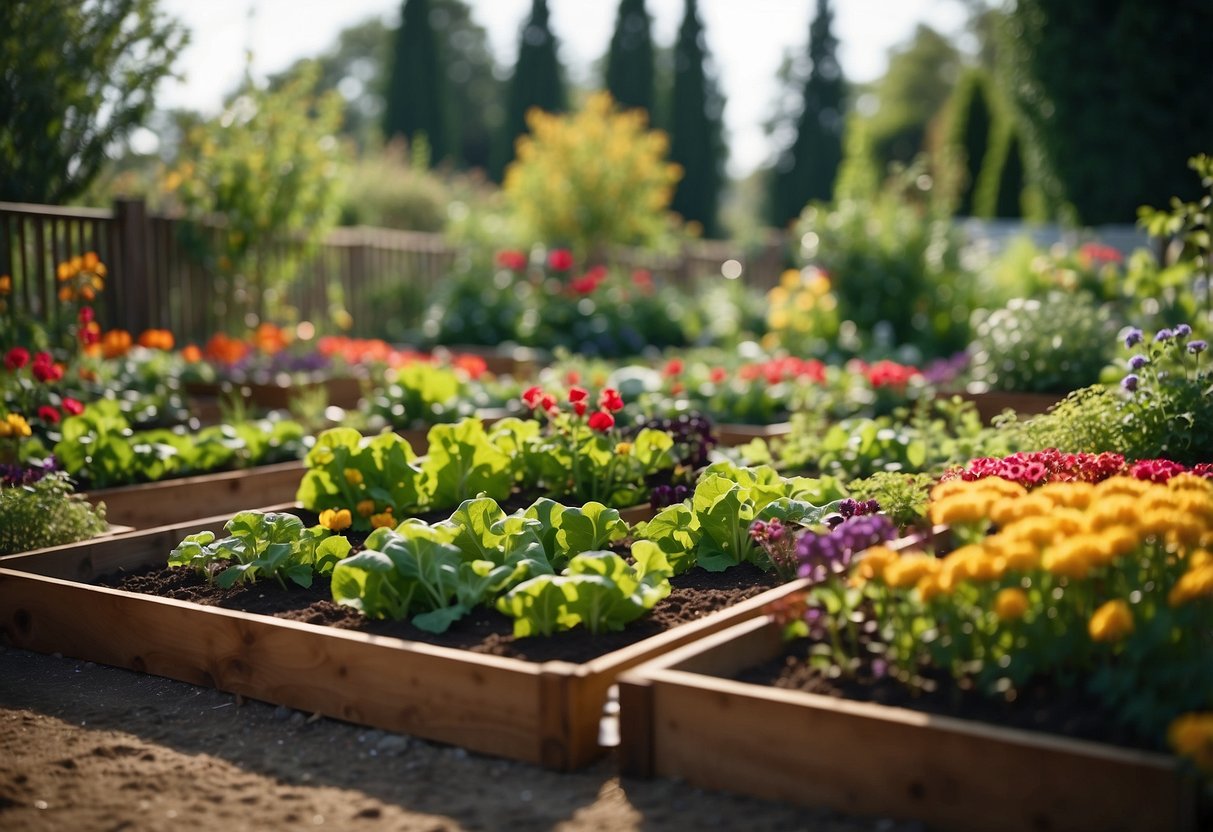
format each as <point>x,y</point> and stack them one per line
<point>728,435</point>
<point>543,713</point>
<point>681,716</point>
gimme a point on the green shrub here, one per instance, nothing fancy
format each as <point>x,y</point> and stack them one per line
<point>46,513</point>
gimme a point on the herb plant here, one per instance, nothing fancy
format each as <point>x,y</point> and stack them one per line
<point>45,511</point>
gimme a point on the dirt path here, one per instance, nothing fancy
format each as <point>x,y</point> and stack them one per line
<point>87,747</point>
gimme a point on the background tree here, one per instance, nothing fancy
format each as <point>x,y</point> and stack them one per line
<point>475,92</point>
<point>416,99</point>
<point>630,63</point>
<point>696,127</point>
<point>969,129</point>
<point>807,169</point>
<point>1001,184</point>
<point>538,81</point>
<point>77,78</point>
<point>1113,97</point>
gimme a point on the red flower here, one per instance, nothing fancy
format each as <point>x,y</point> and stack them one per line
<point>560,260</point>
<point>585,285</point>
<point>48,414</point>
<point>677,388</point>
<point>673,367</point>
<point>72,406</point>
<point>45,371</point>
<point>532,397</point>
<point>572,377</point>
<point>718,375</point>
<point>86,315</point>
<point>600,420</point>
<point>548,402</point>
<point>579,408</point>
<point>610,400</point>
<point>512,260</point>
<point>642,279</point>
<point>578,394</point>
<point>16,358</point>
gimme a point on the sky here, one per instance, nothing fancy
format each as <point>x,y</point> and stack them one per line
<point>746,39</point>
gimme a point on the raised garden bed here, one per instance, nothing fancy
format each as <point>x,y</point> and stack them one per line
<point>684,716</point>
<point>343,392</point>
<point>171,501</point>
<point>993,402</point>
<point>546,712</point>
<point>731,435</point>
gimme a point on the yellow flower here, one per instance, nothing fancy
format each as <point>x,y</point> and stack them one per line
<point>1039,531</point>
<point>384,519</point>
<point>872,563</point>
<point>365,508</point>
<point>961,508</point>
<point>1010,604</point>
<point>1122,486</point>
<point>1111,622</point>
<point>930,586</point>
<point>1191,736</point>
<point>336,520</point>
<point>1075,557</point>
<point>1119,541</point>
<point>1117,510</point>
<point>1017,555</point>
<point>908,570</point>
<point>947,488</point>
<point>1195,583</point>
<point>1007,510</point>
<point>14,424</point>
<point>623,449</point>
<point>353,476</point>
<point>1199,558</point>
<point>1067,494</point>
<point>1188,481</point>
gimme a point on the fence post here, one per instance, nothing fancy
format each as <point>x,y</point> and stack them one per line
<point>133,311</point>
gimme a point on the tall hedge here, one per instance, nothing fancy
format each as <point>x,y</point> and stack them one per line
<point>969,131</point>
<point>1114,97</point>
<point>538,81</point>
<point>696,129</point>
<point>630,65</point>
<point>416,97</point>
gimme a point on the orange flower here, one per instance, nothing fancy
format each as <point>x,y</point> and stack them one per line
<point>192,354</point>
<point>115,343</point>
<point>225,350</point>
<point>269,339</point>
<point>157,339</point>
<point>6,284</point>
<point>66,295</point>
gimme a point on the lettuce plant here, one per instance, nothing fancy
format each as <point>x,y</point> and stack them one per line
<point>711,529</point>
<point>262,545</point>
<point>346,470</point>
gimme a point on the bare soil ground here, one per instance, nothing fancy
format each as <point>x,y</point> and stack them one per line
<point>88,747</point>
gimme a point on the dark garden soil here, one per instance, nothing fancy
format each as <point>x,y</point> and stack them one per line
<point>1047,706</point>
<point>694,595</point>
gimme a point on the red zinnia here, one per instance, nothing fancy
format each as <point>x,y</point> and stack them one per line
<point>610,400</point>
<point>579,408</point>
<point>48,414</point>
<point>560,259</point>
<point>577,394</point>
<point>673,367</point>
<point>601,420</point>
<point>16,358</point>
<point>72,406</point>
<point>532,396</point>
<point>548,402</point>
<point>512,260</point>
<point>718,375</point>
<point>46,371</point>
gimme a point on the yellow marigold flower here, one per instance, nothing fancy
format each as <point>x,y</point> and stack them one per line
<point>1001,487</point>
<point>1010,604</point>
<point>16,425</point>
<point>365,508</point>
<point>336,520</point>
<point>1067,494</point>
<point>872,563</point>
<point>948,488</point>
<point>1121,485</point>
<point>972,563</point>
<point>1119,541</point>
<point>1193,584</point>
<point>90,260</point>
<point>1199,558</point>
<point>1017,555</point>
<point>1186,531</point>
<point>384,519</point>
<point>1191,736</point>
<point>353,476</point>
<point>1117,510</point>
<point>1195,503</point>
<point>1039,531</point>
<point>623,449</point>
<point>65,272</point>
<point>962,508</point>
<point>931,586</point>
<point>1007,510</point>
<point>1188,481</point>
<point>1111,622</point>
<point>909,569</point>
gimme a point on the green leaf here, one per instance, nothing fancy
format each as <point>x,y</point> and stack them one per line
<point>462,463</point>
<point>585,529</point>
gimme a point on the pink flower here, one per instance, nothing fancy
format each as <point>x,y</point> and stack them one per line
<point>602,421</point>
<point>560,260</point>
<point>72,406</point>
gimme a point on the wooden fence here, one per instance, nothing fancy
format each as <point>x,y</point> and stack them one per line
<point>160,273</point>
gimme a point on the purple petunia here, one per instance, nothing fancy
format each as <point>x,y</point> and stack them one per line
<point>823,555</point>
<point>1133,337</point>
<point>1130,382</point>
<point>1137,362</point>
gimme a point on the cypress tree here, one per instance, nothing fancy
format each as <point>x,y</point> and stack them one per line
<point>970,133</point>
<point>806,171</point>
<point>537,81</point>
<point>1008,202</point>
<point>696,131</point>
<point>416,92</point>
<point>629,69</point>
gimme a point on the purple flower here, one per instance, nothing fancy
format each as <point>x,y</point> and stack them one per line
<point>1137,362</point>
<point>1163,335</point>
<point>823,555</point>
<point>1197,347</point>
<point>1133,337</point>
<point>1183,331</point>
<point>1130,382</point>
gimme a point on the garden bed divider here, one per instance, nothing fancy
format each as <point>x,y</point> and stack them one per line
<point>682,716</point>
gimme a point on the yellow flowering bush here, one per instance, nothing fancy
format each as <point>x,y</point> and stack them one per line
<point>1110,584</point>
<point>590,179</point>
<point>802,313</point>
